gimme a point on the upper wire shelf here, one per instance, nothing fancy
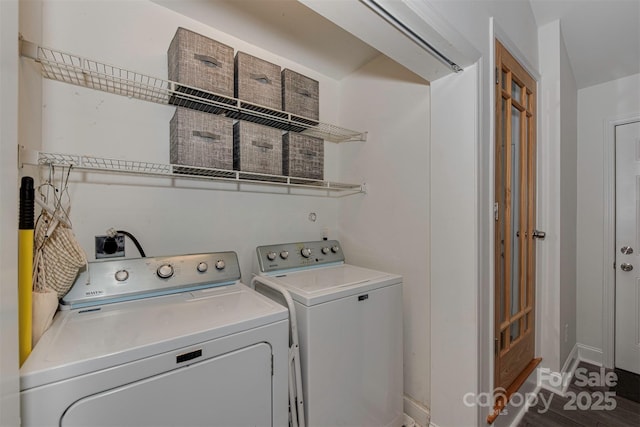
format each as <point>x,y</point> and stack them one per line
<point>76,70</point>
<point>99,164</point>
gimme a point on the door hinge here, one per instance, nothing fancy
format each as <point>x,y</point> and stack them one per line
<point>497,77</point>
<point>614,265</point>
<point>495,211</point>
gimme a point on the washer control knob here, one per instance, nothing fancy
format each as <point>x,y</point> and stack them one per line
<point>306,252</point>
<point>220,264</point>
<point>202,267</point>
<point>325,250</point>
<point>271,256</point>
<point>284,254</point>
<point>335,249</point>
<point>165,271</point>
<point>122,275</point>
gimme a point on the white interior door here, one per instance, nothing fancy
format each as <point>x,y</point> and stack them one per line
<point>627,247</point>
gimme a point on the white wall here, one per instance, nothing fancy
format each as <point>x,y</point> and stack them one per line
<point>517,29</point>
<point>549,157</point>
<point>9,398</point>
<point>557,194</point>
<point>168,217</point>
<point>568,203</point>
<point>454,268</point>
<point>388,229</point>
<point>596,106</point>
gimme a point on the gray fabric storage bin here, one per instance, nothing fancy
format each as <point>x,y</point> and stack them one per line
<point>257,148</point>
<point>201,139</point>
<point>300,95</point>
<point>196,60</point>
<point>302,156</point>
<point>258,81</point>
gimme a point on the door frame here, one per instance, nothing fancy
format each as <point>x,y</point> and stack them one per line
<point>609,240</point>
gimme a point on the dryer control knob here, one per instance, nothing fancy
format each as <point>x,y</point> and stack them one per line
<point>219,264</point>
<point>284,254</point>
<point>122,275</point>
<point>325,250</point>
<point>165,271</point>
<point>305,252</point>
<point>202,267</point>
<point>271,256</point>
<point>335,249</point>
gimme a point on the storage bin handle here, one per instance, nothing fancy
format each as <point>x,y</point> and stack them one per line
<point>308,153</point>
<point>262,144</point>
<point>205,134</point>
<point>304,92</point>
<point>262,78</point>
<point>209,61</point>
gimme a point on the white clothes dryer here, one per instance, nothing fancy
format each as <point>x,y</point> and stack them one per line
<point>165,341</point>
<point>348,322</point>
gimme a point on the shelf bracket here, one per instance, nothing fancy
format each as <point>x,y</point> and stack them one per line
<point>27,156</point>
<point>28,49</point>
<point>361,137</point>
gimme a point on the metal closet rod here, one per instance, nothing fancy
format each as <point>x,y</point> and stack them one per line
<point>375,6</point>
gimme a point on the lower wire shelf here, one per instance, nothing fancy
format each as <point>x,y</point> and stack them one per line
<point>133,167</point>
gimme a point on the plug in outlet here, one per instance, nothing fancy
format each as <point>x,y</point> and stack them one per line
<point>110,247</point>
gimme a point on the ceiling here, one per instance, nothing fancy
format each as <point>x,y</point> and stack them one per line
<point>284,27</point>
<point>602,36</point>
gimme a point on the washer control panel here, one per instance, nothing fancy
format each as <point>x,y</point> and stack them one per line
<point>285,256</point>
<point>114,279</point>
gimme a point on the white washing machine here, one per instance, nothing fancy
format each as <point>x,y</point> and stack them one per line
<point>165,341</point>
<point>348,321</point>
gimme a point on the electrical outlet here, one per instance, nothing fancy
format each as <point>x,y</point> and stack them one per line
<point>110,247</point>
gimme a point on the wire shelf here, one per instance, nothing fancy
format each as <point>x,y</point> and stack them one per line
<point>79,71</point>
<point>98,164</point>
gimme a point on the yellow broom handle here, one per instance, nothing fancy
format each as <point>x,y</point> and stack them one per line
<point>25,287</point>
<point>25,267</point>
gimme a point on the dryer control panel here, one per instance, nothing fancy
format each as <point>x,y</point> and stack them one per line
<point>116,280</point>
<point>285,256</point>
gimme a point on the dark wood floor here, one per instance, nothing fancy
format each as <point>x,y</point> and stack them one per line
<point>586,405</point>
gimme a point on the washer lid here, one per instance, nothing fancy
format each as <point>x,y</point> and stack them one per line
<point>318,285</point>
<point>86,340</point>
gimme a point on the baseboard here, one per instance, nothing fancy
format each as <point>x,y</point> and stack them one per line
<point>589,354</point>
<point>558,382</point>
<point>418,412</point>
<point>407,421</point>
<point>520,402</point>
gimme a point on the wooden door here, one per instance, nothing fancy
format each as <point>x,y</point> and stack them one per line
<point>515,213</point>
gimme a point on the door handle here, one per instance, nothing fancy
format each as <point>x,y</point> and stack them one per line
<point>625,266</point>
<point>537,234</point>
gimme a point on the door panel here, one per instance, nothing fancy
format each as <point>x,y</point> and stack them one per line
<point>627,355</point>
<point>351,357</point>
<point>229,390</point>
<point>515,210</point>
